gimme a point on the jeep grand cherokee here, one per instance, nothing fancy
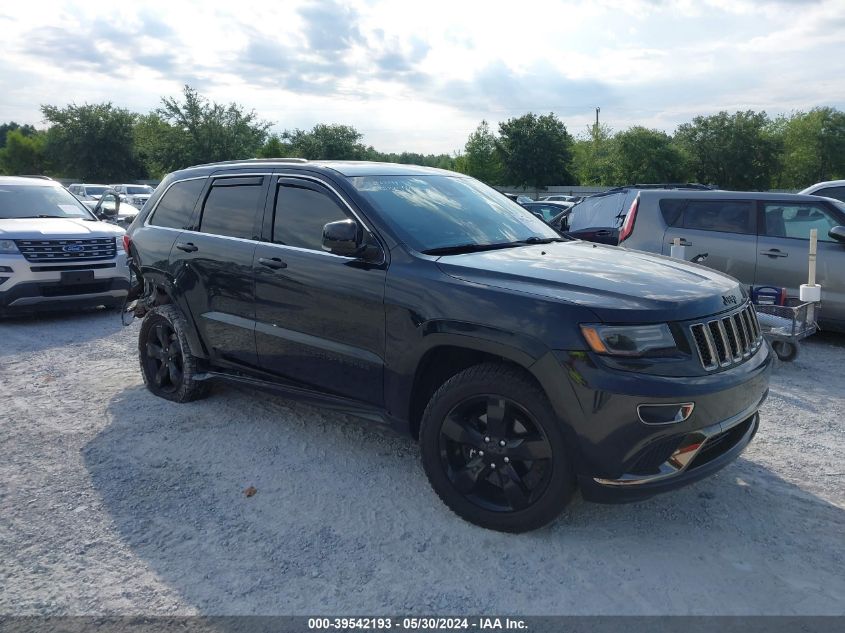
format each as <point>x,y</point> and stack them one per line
<point>524,362</point>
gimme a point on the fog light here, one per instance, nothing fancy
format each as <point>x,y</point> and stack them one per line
<point>665,413</point>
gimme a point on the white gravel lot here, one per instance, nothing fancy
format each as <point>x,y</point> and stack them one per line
<point>115,502</point>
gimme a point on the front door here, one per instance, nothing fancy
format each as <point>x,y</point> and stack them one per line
<point>784,246</point>
<point>319,317</point>
<point>722,234</point>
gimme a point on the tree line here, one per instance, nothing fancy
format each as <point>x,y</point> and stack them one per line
<point>743,150</point>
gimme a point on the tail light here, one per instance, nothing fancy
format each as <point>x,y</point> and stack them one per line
<point>628,225</point>
<point>127,243</point>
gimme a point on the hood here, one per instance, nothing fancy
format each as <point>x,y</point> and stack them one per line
<point>56,228</point>
<point>617,284</point>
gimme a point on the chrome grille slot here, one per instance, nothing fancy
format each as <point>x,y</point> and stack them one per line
<point>727,340</point>
<point>69,250</point>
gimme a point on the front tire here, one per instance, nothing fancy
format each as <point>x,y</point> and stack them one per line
<point>167,365</point>
<point>494,450</point>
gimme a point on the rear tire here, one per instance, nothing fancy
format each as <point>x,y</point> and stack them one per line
<point>167,365</point>
<point>494,450</point>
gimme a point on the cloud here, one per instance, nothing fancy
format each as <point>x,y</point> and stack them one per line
<point>330,27</point>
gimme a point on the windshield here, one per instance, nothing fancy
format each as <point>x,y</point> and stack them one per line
<point>141,189</point>
<point>435,212</point>
<point>27,201</point>
<point>94,191</point>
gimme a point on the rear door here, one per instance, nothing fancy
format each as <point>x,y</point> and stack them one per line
<point>784,246</point>
<point>723,233</point>
<point>213,264</point>
<point>320,317</point>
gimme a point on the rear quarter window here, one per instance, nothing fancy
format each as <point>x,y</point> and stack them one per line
<point>177,204</point>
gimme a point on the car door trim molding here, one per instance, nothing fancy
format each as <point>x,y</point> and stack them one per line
<point>315,341</point>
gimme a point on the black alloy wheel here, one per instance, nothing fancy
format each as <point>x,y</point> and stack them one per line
<point>494,449</point>
<point>164,358</point>
<point>170,370</point>
<point>494,453</point>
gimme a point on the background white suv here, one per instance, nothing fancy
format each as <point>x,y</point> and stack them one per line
<point>829,189</point>
<point>54,252</point>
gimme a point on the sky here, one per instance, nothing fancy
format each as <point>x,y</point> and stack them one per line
<point>420,75</point>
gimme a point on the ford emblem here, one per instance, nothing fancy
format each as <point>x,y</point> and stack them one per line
<point>73,248</point>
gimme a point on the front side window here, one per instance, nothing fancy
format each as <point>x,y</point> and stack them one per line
<point>28,201</point>
<point>796,220</point>
<point>724,216</point>
<point>230,209</point>
<point>177,204</point>
<point>301,213</point>
<point>436,212</point>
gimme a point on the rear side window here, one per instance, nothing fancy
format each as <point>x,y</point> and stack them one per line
<point>300,215</point>
<point>724,216</point>
<point>671,209</point>
<point>177,204</point>
<point>231,206</point>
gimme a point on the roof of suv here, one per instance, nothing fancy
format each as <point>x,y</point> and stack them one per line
<point>28,180</point>
<point>731,195</point>
<point>343,167</point>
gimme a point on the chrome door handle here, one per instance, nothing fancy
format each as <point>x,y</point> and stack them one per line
<point>773,252</point>
<point>273,262</point>
<point>187,247</point>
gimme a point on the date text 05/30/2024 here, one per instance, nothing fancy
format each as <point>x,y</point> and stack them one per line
<point>422,623</point>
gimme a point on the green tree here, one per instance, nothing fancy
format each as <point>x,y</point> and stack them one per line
<point>592,157</point>
<point>5,128</point>
<point>535,151</point>
<point>195,130</point>
<point>326,142</point>
<point>92,141</point>
<point>274,147</point>
<point>480,158</point>
<point>736,151</point>
<point>23,153</point>
<point>813,147</point>
<point>641,155</point>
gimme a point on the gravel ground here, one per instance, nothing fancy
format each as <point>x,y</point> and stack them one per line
<point>115,502</point>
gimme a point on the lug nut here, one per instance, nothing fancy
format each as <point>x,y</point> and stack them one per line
<point>507,461</point>
<point>493,465</point>
<point>502,442</point>
<point>487,440</point>
<point>481,453</point>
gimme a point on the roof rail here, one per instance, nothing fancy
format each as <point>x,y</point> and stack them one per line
<point>252,160</point>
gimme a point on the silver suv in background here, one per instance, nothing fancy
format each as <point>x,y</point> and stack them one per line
<point>761,239</point>
<point>136,195</point>
<point>87,192</point>
<point>55,253</point>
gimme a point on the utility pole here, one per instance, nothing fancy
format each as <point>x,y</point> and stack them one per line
<point>597,117</point>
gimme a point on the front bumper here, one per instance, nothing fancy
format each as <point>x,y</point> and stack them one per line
<point>618,457</point>
<point>32,287</point>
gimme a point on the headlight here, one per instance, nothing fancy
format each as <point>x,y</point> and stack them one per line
<point>7,247</point>
<point>628,340</point>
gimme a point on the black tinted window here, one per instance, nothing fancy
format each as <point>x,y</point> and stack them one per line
<point>230,210</point>
<point>300,216</point>
<point>176,205</point>
<point>671,210</point>
<point>832,192</point>
<point>725,216</point>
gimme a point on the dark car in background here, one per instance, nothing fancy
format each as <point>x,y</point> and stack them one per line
<point>524,362</point>
<point>547,211</point>
<point>599,218</point>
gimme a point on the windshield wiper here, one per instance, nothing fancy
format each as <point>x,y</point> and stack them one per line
<point>475,248</point>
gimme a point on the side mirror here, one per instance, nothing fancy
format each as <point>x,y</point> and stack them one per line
<point>104,209</point>
<point>837,233</point>
<point>343,237</point>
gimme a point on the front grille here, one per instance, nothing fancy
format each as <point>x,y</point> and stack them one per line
<point>68,250</point>
<point>727,340</point>
<point>650,460</point>
<point>77,289</point>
